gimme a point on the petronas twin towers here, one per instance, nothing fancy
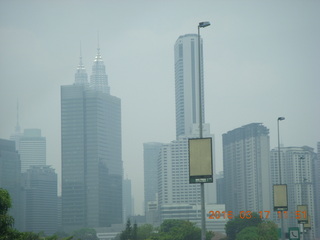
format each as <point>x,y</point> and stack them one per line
<point>91,150</point>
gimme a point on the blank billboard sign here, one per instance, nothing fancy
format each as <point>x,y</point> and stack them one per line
<point>200,160</point>
<point>280,198</point>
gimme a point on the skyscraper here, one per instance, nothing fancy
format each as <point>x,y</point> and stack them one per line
<point>297,172</point>
<point>186,62</point>
<point>151,154</point>
<point>174,189</point>
<point>32,149</point>
<point>91,150</point>
<point>10,174</point>
<point>41,200</point>
<point>246,169</point>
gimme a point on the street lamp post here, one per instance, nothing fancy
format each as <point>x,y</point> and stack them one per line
<point>282,223</point>
<point>203,213</point>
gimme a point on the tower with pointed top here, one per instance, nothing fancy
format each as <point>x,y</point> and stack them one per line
<point>91,151</point>
<point>81,76</point>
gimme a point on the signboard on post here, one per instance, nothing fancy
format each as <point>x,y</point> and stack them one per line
<point>302,213</point>
<point>280,197</point>
<point>308,224</point>
<point>200,160</point>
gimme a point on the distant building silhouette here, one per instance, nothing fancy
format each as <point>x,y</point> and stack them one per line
<point>91,151</point>
<point>221,198</point>
<point>151,154</point>
<point>10,179</point>
<point>127,200</point>
<point>41,200</point>
<point>246,169</point>
<point>32,149</point>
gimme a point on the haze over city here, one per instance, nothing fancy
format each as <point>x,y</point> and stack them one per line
<point>261,61</point>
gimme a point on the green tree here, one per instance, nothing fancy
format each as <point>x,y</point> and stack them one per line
<point>127,233</point>
<point>268,231</point>
<point>180,230</point>
<point>145,231</point>
<point>6,221</point>
<point>248,233</point>
<point>234,226</point>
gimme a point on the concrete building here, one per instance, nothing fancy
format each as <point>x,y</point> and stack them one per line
<point>297,173</point>
<point>31,147</point>
<point>246,169</point>
<point>10,179</point>
<point>41,200</point>
<point>91,151</point>
<point>192,213</point>
<point>151,154</point>
<point>186,62</point>
<point>173,164</point>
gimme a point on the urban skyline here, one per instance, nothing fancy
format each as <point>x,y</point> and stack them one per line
<point>257,68</point>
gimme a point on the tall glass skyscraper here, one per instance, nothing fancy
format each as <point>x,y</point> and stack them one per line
<point>186,62</point>
<point>91,151</point>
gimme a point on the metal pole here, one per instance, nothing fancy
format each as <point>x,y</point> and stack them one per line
<point>282,222</point>
<point>203,209</point>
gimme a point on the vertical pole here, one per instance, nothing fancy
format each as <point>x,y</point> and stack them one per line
<point>279,156</point>
<point>203,210</point>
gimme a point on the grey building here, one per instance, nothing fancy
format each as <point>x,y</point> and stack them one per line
<point>127,200</point>
<point>297,172</point>
<point>41,200</point>
<point>246,169</point>
<point>151,154</point>
<point>10,172</point>
<point>91,151</point>
<point>32,149</point>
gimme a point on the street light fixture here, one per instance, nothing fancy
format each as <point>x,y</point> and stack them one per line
<point>203,213</point>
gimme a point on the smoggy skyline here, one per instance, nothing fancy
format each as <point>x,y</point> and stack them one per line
<point>260,62</point>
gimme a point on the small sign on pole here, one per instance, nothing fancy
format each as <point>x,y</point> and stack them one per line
<point>302,213</point>
<point>200,160</point>
<point>280,197</point>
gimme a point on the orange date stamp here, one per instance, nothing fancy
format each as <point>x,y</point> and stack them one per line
<point>260,214</point>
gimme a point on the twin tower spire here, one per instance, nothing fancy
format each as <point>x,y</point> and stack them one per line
<point>98,78</point>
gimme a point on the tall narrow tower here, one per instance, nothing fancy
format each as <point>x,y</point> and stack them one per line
<point>186,57</point>
<point>91,151</point>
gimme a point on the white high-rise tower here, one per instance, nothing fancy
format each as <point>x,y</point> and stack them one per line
<point>186,57</point>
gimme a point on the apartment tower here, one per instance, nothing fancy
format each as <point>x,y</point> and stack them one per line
<point>246,169</point>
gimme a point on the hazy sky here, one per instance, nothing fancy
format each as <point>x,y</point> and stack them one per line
<point>261,61</point>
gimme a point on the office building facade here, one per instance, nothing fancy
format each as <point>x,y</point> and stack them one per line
<point>151,154</point>
<point>246,169</point>
<point>297,172</point>
<point>41,200</point>
<point>32,149</point>
<point>91,151</point>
